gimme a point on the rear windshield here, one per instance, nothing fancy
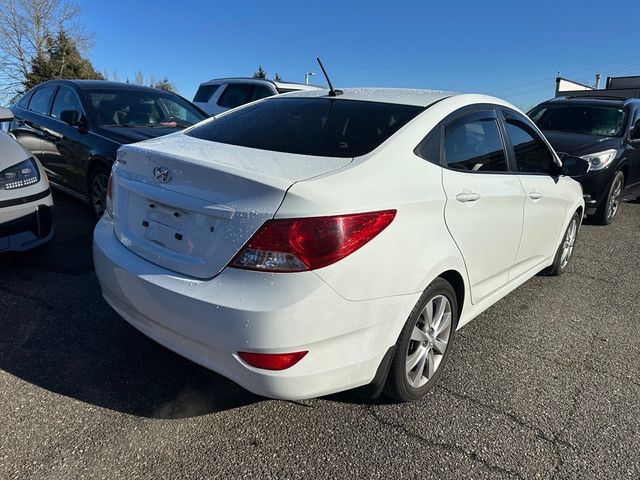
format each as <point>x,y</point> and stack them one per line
<point>325,127</point>
<point>582,119</point>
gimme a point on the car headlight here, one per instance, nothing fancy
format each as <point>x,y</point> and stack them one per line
<point>600,160</point>
<point>19,175</point>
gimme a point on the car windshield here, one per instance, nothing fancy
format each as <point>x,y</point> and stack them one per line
<point>324,126</point>
<point>582,119</point>
<point>141,108</point>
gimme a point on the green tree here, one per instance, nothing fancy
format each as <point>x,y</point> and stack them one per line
<point>61,59</point>
<point>277,78</point>
<point>260,73</point>
<point>164,84</point>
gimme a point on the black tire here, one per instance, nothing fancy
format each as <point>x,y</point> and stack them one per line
<point>398,383</point>
<point>97,189</point>
<point>606,213</point>
<point>560,264</point>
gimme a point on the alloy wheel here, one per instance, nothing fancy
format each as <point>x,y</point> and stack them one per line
<point>429,340</point>
<point>99,192</point>
<point>614,199</point>
<point>568,243</point>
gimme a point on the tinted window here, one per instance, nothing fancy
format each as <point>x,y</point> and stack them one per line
<point>41,100</point>
<point>474,145</point>
<point>311,126</point>
<point>24,101</point>
<point>532,155</point>
<point>429,148</point>
<point>141,108</point>
<point>260,91</point>
<point>582,119</point>
<point>66,99</point>
<point>204,93</point>
<point>235,94</point>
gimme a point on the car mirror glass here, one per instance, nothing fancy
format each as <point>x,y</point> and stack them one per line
<point>575,166</point>
<point>634,136</point>
<point>6,115</point>
<point>70,117</point>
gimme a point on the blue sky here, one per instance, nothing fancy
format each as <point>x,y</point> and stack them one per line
<point>512,49</point>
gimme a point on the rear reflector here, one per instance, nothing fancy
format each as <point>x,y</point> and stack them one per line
<point>298,244</point>
<point>272,361</point>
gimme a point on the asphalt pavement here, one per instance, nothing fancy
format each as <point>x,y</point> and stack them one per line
<point>545,384</point>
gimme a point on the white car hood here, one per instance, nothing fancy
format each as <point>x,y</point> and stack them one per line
<point>11,152</point>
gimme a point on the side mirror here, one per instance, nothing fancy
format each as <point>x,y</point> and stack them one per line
<point>70,117</point>
<point>6,115</point>
<point>634,135</point>
<point>575,166</point>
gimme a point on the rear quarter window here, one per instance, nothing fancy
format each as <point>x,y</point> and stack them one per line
<point>325,127</point>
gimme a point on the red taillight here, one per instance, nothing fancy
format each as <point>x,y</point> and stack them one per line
<point>109,196</point>
<point>272,361</point>
<point>298,244</point>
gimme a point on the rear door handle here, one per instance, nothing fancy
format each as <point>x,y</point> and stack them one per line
<point>535,195</point>
<point>467,196</point>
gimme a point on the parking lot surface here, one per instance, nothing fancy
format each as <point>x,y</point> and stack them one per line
<point>545,384</point>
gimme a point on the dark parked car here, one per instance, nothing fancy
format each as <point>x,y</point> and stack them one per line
<point>75,128</point>
<point>606,132</point>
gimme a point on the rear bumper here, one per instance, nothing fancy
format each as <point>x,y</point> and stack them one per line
<point>26,225</point>
<point>209,321</point>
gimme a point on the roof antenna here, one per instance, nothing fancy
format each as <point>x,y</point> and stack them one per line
<point>332,91</point>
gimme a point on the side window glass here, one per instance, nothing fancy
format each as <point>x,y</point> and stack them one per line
<point>429,148</point>
<point>260,91</point>
<point>532,154</point>
<point>474,145</point>
<point>204,93</point>
<point>235,94</point>
<point>66,99</point>
<point>41,100</point>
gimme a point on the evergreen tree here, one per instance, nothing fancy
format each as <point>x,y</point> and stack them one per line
<point>277,78</point>
<point>260,73</point>
<point>61,59</point>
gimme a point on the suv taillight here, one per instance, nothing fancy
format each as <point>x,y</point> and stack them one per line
<point>299,244</point>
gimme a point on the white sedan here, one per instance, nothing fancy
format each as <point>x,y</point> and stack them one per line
<point>312,243</point>
<point>25,196</point>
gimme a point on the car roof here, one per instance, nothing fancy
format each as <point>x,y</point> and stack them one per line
<point>402,96</point>
<point>101,84</point>
<point>277,84</point>
<point>600,100</point>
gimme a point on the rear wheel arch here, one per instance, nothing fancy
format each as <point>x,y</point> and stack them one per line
<point>456,280</point>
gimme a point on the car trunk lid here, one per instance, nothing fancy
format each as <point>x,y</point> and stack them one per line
<point>189,205</point>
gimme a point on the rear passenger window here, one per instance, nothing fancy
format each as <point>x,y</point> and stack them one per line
<point>474,145</point>
<point>41,100</point>
<point>204,93</point>
<point>235,94</point>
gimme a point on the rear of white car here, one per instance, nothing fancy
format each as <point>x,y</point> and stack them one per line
<point>25,199</point>
<point>287,265</point>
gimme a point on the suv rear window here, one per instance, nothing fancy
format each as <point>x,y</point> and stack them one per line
<point>324,127</point>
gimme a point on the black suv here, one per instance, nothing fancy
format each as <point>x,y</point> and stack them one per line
<point>75,127</point>
<point>606,132</point>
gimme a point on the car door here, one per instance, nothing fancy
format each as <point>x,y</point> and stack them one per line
<point>484,209</point>
<point>27,128</point>
<point>545,196</point>
<point>68,145</point>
